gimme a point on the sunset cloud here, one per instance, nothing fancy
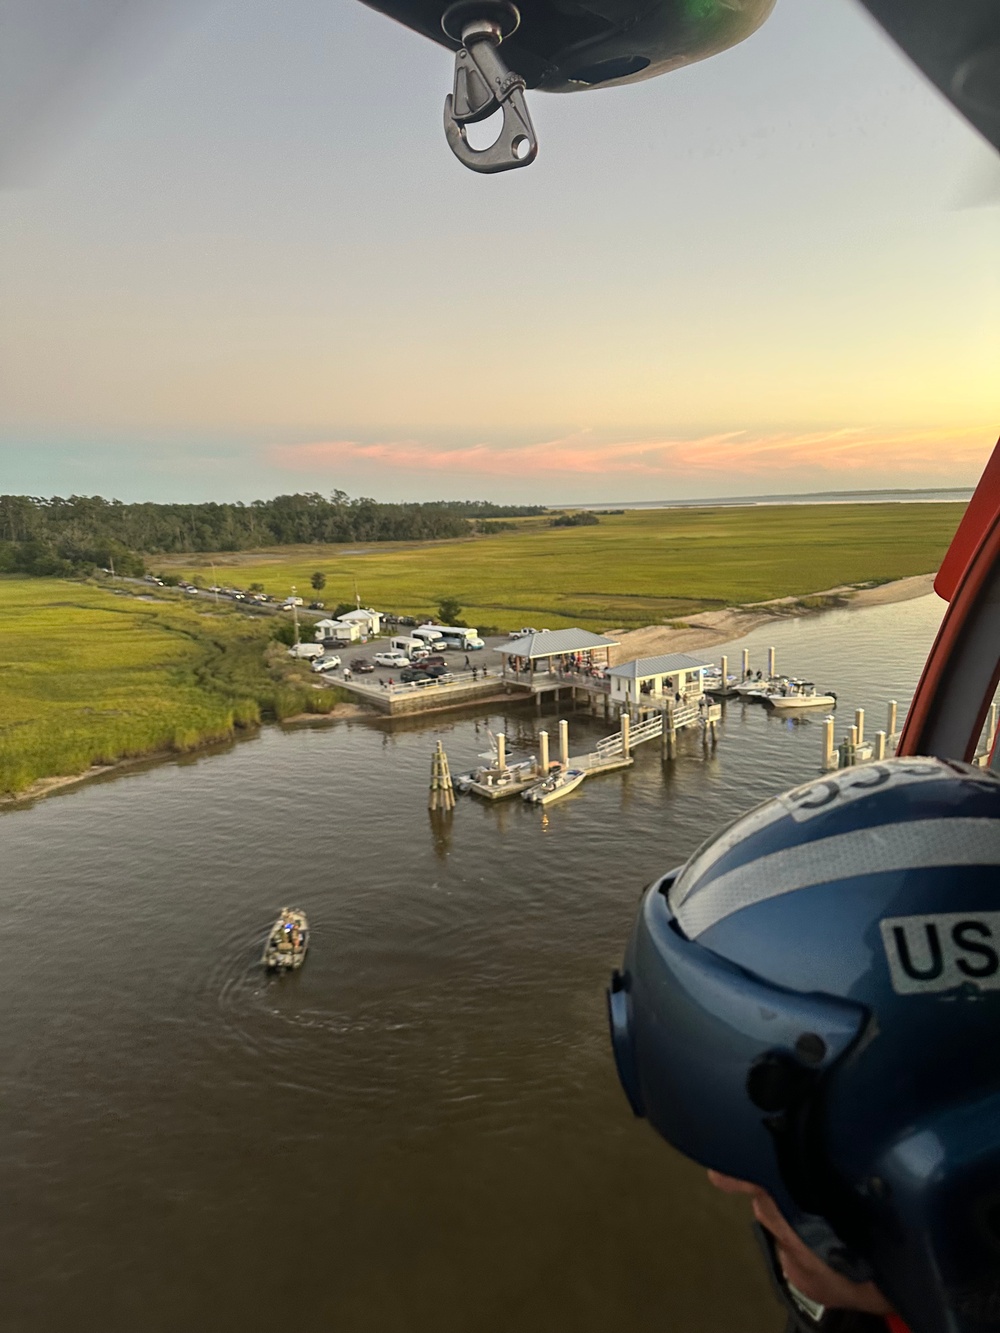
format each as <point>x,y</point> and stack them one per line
<point>740,454</point>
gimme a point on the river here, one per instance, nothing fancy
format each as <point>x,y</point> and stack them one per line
<point>422,1131</point>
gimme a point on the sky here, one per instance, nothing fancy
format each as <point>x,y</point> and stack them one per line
<point>254,267</point>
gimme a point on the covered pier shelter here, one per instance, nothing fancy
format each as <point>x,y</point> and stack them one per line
<point>652,682</point>
<point>553,651</point>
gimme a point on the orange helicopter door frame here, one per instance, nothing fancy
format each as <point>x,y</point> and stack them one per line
<point>960,676</point>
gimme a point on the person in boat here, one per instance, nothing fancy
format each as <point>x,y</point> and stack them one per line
<point>820,1033</point>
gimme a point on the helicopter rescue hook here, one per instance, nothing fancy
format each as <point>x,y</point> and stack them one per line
<point>484,85</point>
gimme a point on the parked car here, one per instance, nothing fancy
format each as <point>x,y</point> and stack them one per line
<point>326,663</point>
<point>522,633</point>
<point>435,672</point>
<point>315,606</point>
<point>413,676</point>
<point>361,666</point>
<point>393,659</point>
<point>434,659</point>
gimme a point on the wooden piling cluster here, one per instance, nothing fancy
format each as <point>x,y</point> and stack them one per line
<point>854,748</point>
<point>442,793</point>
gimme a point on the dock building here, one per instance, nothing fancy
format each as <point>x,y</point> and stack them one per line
<point>551,651</point>
<point>652,682</point>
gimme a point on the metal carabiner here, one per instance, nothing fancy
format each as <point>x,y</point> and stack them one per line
<point>483,85</point>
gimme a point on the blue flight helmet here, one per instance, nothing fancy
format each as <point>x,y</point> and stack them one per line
<point>812,1003</point>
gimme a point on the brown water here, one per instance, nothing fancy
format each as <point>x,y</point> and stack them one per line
<point>422,1130</point>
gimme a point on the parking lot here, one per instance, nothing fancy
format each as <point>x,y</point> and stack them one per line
<point>461,666</point>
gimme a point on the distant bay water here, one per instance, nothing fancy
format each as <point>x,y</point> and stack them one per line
<point>955,493</point>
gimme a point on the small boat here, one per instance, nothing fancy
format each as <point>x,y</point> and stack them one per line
<point>287,941</point>
<point>558,785</point>
<point>799,694</point>
<point>491,776</point>
<point>755,687</point>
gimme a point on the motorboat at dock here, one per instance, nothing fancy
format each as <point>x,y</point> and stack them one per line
<point>496,783</point>
<point>798,694</point>
<point>757,687</point>
<point>493,781</point>
<point>558,785</point>
<point>287,941</point>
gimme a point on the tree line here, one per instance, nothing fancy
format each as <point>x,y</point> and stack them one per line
<point>58,536</point>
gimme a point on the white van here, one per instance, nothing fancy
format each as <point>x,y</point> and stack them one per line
<point>431,634</point>
<point>306,650</point>
<point>410,648</point>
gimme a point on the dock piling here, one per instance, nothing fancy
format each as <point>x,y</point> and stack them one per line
<point>543,753</point>
<point>564,743</point>
<point>626,725</point>
<point>501,751</point>
<point>830,759</point>
<point>859,722</point>
<point>442,793</point>
<point>746,663</point>
<point>891,728</point>
<point>771,661</point>
<point>880,745</point>
<point>724,663</point>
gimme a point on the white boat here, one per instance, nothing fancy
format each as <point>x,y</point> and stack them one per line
<point>752,687</point>
<point>558,785</point>
<point>495,784</point>
<point>287,941</point>
<point>491,776</point>
<point>799,694</point>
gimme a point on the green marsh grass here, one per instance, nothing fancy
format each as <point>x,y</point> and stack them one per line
<point>88,677</point>
<point>637,568</point>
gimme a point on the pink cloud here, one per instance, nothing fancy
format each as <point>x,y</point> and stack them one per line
<point>735,453</point>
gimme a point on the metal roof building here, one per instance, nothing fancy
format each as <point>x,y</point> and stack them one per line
<point>655,677</point>
<point>532,651</point>
<point>667,664</point>
<point>555,643</point>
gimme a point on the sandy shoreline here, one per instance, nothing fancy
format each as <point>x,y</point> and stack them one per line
<point>703,630</point>
<point>708,628</point>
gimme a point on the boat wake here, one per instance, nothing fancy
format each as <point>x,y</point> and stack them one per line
<point>278,1026</point>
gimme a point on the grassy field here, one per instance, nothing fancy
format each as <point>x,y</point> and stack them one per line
<point>638,568</point>
<point>87,677</point>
